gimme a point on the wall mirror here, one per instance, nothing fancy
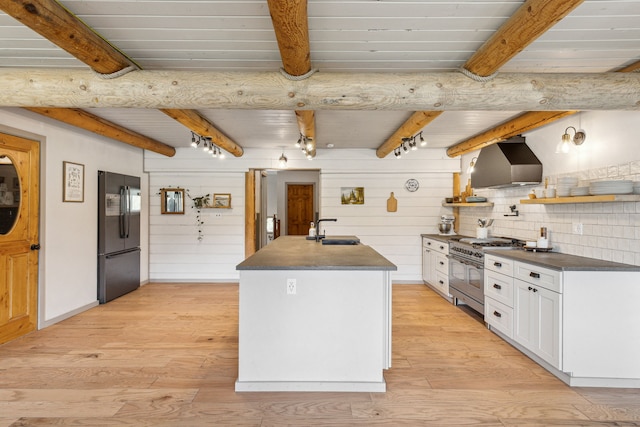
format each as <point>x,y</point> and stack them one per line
<point>172,200</point>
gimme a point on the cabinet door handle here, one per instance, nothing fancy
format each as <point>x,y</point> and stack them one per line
<point>495,285</point>
<point>534,275</point>
<point>441,263</point>
<point>428,243</point>
<point>533,289</point>
<point>497,264</point>
<point>441,247</point>
<point>441,282</point>
<point>530,288</point>
<point>497,314</point>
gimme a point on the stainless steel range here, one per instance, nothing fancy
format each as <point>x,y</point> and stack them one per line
<point>466,268</point>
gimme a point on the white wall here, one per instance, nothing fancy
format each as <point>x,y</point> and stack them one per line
<point>68,231</point>
<point>611,231</point>
<point>177,255</point>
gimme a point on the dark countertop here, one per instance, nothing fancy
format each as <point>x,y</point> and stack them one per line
<point>298,253</point>
<point>562,262</point>
<point>442,237</point>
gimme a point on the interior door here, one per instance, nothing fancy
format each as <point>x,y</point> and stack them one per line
<point>19,203</point>
<point>299,208</point>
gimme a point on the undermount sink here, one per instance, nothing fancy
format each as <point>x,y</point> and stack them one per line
<point>340,240</point>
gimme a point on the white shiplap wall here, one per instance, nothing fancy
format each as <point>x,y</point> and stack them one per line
<point>177,255</point>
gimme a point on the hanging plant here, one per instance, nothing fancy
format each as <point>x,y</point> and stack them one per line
<point>198,204</point>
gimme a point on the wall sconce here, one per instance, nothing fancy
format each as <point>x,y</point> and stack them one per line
<point>565,144</point>
<point>472,166</point>
<point>282,161</point>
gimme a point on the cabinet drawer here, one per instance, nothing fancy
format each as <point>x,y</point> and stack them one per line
<point>435,245</point>
<point>501,265</point>
<point>442,263</point>
<point>540,276</point>
<point>498,316</point>
<point>499,287</point>
<point>442,282</point>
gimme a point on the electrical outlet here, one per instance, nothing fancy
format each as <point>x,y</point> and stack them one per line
<point>291,286</point>
<point>577,228</point>
<point>218,215</point>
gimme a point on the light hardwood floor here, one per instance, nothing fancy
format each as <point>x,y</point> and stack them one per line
<point>166,355</point>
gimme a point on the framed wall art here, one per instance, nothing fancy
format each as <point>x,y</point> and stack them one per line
<point>352,195</point>
<point>72,182</point>
<point>222,201</point>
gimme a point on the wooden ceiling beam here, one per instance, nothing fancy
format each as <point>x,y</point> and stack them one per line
<point>413,125</point>
<point>51,20</point>
<point>290,23</point>
<point>21,87</point>
<point>528,23</point>
<point>200,125</point>
<point>522,123</point>
<point>55,23</point>
<point>85,120</point>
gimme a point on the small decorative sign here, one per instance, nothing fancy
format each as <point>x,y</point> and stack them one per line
<point>73,182</point>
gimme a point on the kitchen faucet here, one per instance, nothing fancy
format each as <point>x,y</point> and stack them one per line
<point>318,236</point>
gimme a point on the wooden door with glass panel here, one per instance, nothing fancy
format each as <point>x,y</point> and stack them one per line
<point>19,201</point>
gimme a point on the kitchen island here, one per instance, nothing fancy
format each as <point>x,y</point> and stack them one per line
<point>314,317</point>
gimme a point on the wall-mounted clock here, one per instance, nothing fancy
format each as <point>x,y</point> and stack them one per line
<point>412,185</point>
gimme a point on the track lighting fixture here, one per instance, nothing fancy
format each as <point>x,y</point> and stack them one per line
<point>207,145</point>
<point>423,142</point>
<point>409,143</point>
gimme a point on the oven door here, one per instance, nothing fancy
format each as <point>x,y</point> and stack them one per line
<point>467,278</point>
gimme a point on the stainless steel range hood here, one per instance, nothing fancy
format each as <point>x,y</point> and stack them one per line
<point>506,164</point>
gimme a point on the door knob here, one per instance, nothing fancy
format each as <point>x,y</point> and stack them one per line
<point>35,246</point>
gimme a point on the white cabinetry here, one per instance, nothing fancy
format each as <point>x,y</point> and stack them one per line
<point>523,302</point>
<point>498,294</point>
<point>435,265</point>
<point>578,323</point>
<point>537,321</point>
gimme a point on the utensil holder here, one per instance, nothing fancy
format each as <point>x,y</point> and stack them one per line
<point>482,233</point>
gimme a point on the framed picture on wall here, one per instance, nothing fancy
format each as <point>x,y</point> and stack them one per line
<point>72,182</point>
<point>222,201</point>
<point>352,195</point>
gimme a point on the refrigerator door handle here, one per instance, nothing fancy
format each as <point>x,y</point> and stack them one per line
<point>123,201</point>
<point>128,210</point>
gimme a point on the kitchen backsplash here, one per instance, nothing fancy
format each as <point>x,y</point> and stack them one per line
<point>610,231</point>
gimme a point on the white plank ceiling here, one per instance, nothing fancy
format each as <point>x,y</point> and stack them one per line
<point>345,36</point>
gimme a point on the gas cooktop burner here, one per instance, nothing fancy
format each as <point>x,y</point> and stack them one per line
<point>492,241</point>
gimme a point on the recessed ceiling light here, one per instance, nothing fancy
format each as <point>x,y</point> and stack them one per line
<point>330,145</point>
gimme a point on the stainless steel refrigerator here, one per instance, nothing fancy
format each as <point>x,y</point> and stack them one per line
<point>119,204</point>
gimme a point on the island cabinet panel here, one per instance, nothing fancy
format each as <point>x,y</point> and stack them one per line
<point>332,334</point>
<point>602,325</point>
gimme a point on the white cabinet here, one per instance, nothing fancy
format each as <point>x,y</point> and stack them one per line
<point>579,323</point>
<point>435,265</point>
<point>537,321</point>
<point>498,294</point>
<point>523,302</point>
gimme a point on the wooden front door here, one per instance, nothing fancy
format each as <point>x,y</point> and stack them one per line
<point>19,204</point>
<point>299,208</point>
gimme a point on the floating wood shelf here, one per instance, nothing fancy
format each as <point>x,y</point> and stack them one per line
<point>470,205</point>
<point>583,199</point>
